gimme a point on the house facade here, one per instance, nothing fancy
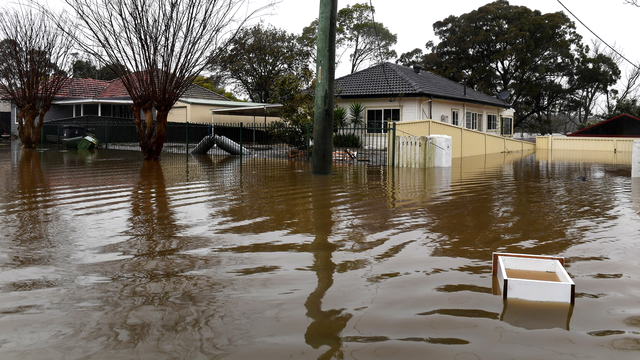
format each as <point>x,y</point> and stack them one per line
<point>392,93</point>
<point>109,99</point>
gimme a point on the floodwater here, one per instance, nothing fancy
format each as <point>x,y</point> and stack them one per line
<point>106,257</point>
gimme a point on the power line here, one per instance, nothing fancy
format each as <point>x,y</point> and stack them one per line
<point>598,37</point>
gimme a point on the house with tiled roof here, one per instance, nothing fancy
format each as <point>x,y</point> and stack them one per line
<point>90,97</point>
<point>392,93</point>
<point>110,100</point>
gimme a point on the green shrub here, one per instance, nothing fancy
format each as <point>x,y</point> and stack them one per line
<point>347,140</point>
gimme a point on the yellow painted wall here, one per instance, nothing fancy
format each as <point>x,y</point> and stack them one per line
<point>612,145</point>
<point>202,114</point>
<point>465,142</point>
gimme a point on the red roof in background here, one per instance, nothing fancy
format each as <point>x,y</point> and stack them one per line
<point>618,126</point>
<point>82,88</point>
<point>114,89</point>
<point>103,89</point>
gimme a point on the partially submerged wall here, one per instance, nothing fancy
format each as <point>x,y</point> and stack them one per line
<point>464,142</point>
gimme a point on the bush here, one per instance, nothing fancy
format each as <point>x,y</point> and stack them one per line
<point>347,140</point>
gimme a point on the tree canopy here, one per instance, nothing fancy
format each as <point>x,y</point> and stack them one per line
<point>539,58</point>
<point>257,57</point>
<point>368,40</point>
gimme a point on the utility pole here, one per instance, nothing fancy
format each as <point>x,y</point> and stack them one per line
<point>322,155</point>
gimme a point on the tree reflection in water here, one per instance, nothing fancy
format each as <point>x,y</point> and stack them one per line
<point>327,324</point>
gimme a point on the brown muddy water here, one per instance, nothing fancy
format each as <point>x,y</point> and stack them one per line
<point>104,257</point>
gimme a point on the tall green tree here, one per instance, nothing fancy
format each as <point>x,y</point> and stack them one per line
<point>503,47</point>
<point>594,76</point>
<point>357,32</point>
<point>257,57</point>
<point>85,68</point>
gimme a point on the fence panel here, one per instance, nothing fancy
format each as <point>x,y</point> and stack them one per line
<point>273,140</point>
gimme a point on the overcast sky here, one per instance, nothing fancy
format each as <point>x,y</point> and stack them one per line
<point>412,20</point>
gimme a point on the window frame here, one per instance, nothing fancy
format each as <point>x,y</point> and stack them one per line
<point>380,126</point>
<point>493,122</point>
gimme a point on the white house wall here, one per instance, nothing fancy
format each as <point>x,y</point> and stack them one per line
<point>440,110</point>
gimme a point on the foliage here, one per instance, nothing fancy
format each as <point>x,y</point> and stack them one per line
<point>347,141</point>
<point>502,47</point>
<point>368,41</point>
<point>594,75</point>
<point>86,69</point>
<point>257,57</point>
<point>34,53</point>
<point>292,91</point>
<point>356,112</point>
<point>157,48</point>
<point>294,135</point>
<point>210,84</point>
<point>339,118</point>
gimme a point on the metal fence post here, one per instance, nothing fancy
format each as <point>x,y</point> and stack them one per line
<point>393,146</point>
<point>187,137</point>
<point>308,142</point>
<point>241,131</point>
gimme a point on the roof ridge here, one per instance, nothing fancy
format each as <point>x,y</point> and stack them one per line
<point>397,68</point>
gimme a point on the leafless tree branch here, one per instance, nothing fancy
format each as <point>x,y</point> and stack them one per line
<point>157,48</point>
<point>33,66</point>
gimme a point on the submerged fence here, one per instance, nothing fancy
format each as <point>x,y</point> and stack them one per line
<point>276,140</point>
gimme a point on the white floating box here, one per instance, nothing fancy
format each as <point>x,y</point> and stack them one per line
<point>533,277</point>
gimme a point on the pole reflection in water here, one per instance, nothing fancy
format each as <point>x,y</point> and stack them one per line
<point>326,326</point>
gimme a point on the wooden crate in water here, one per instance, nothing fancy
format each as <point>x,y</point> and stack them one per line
<point>533,277</point>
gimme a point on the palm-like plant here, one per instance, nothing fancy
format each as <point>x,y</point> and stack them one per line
<point>356,110</point>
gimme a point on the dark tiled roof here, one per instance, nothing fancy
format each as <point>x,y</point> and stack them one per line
<point>198,92</point>
<point>391,80</point>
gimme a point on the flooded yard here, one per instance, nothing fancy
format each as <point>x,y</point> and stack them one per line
<point>206,257</point>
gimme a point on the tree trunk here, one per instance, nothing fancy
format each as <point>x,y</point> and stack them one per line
<point>28,130</point>
<point>152,134</point>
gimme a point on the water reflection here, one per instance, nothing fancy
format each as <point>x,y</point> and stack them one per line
<point>34,223</point>
<point>326,326</point>
<point>225,258</point>
<point>534,315</point>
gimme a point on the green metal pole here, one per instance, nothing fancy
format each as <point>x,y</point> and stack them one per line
<point>325,76</point>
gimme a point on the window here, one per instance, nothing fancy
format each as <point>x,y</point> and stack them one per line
<point>492,122</point>
<point>377,119</point>
<point>506,126</point>
<point>473,120</point>
<point>455,117</point>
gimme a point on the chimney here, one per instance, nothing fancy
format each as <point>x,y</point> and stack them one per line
<point>465,85</point>
<point>416,69</point>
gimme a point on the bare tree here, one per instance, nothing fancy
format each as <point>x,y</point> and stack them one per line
<point>33,53</point>
<point>157,48</point>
